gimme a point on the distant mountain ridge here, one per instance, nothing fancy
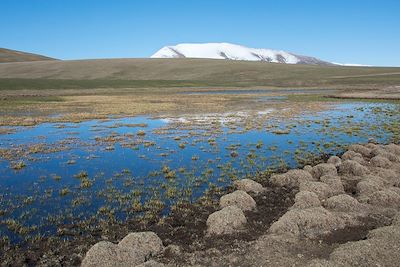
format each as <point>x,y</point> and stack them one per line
<point>8,55</point>
<point>235,52</point>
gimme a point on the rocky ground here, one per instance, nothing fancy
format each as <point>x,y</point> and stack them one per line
<point>345,213</point>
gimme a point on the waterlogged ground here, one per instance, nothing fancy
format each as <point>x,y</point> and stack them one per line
<point>58,176</point>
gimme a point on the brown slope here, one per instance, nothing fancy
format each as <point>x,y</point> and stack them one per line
<point>8,55</point>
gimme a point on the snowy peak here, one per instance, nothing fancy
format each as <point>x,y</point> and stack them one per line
<point>234,52</point>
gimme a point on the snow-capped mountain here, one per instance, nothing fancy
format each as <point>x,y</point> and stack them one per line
<point>234,52</point>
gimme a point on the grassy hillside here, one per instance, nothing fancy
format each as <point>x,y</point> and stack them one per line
<point>8,55</point>
<point>143,73</point>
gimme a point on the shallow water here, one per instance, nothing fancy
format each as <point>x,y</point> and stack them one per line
<point>82,169</point>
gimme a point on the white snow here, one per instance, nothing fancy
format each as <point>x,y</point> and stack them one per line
<point>228,51</point>
<point>239,52</point>
<point>352,65</point>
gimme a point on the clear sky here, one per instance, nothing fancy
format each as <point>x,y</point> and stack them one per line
<point>345,31</point>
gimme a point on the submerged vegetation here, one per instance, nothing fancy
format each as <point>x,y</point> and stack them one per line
<point>83,180</point>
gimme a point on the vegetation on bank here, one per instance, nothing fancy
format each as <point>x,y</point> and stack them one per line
<point>89,89</point>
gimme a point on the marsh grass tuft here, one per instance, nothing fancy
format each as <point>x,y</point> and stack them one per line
<point>18,165</point>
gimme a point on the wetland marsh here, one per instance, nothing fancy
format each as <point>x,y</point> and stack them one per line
<point>61,179</point>
<point>121,146</point>
<point>84,160</point>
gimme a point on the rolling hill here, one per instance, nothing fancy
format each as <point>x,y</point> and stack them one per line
<point>8,55</point>
<point>184,72</point>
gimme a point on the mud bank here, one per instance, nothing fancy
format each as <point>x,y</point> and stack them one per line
<point>386,93</point>
<point>344,212</point>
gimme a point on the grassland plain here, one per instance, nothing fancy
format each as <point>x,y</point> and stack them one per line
<point>87,89</point>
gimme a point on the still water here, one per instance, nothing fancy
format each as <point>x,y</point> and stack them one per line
<point>65,172</point>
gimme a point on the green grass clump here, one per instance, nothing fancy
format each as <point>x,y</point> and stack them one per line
<point>170,175</point>
<point>82,175</point>
<point>18,166</point>
<point>65,191</point>
<point>141,133</point>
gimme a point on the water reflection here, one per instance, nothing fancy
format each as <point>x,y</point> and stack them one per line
<point>73,171</point>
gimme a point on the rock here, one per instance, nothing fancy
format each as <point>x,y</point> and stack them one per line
<point>305,200</point>
<point>384,153</point>
<point>351,155</point>
<point>396,220</point>
<point>335,161</point>
<point>291,178</point>
<point>146,243</point>
<point>150,263</point>
<point>107,254</point>
<point>390,176</point>
<point>226,221</point>
<point>350,183</point>
<point>334,182</point>
<point>379,161</point>
<point>319,263</point>
<point>390,156</point>
<point>308,168</point>
<point>379,249</point>
<point>370,185</point>
<point>324,169</point>
<point>395,189</point>
<point>364,151</point>
<point>238,198</point>
<point>385,198</point>
<point>310,223</point>
<point>322,190</point>
<point>281,180</point>
<point>371,146</point>
<point>343,203</point>
<point>249,186</point>
<point>352,167</point>
<point>378,150</point>
<point>393,148</point>
<point>361,161</point>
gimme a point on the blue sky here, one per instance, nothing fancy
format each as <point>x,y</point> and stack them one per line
<point>345,31</point>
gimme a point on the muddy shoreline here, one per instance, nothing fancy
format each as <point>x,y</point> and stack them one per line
<point>28,108</point>
<point>329,220</point>
<point>184,230</point>
<point>184,227</point>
